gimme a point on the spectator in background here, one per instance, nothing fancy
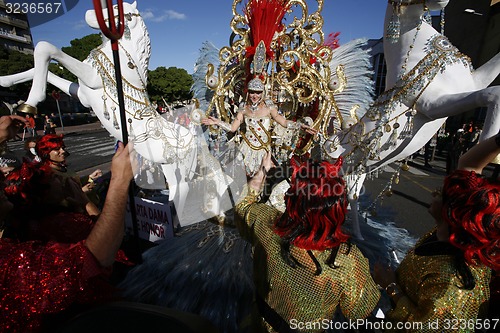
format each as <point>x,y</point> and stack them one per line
<point>49,126</point>
<point>8,163</point>
<point>183,120</point>
<point>31,125</point>
<point>30,148</point>
<point>456,147</point>
<point>304,264</point>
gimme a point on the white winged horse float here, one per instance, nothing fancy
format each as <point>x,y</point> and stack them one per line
<point>428,80</point>
<point>172,146</point>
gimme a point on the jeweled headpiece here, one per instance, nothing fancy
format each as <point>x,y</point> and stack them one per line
<point>255,84</point>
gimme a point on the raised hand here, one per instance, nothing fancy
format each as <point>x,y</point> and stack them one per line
<point>10,126</point>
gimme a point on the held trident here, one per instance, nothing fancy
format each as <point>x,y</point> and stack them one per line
<point>114,31</point>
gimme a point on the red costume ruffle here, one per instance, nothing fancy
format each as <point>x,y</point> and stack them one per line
<point>38,279</point>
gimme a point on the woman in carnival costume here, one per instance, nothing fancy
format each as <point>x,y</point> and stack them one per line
<point>56,262</point>
<point>257,115</point>
<point>443,283</point>
<point>206,268</point>
<point>304,264</point>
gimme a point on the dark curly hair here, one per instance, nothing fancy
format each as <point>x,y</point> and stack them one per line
<point>471,209</point>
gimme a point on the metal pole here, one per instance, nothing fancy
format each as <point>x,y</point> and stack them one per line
<point>60,117</point>
<point>114,32</point>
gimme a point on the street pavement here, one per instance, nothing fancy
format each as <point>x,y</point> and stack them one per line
<point>408,204</point>
<point>86,147</point>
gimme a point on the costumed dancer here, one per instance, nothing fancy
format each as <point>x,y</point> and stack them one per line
<point>446,277</point>
<point>205,268</point>
<point>256,110</point>
<point>257,115</point>
<point>304,264</point>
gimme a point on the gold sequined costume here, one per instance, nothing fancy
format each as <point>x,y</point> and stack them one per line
<point>432,293</point>
<point>297,294</point>
<point>256,142</point>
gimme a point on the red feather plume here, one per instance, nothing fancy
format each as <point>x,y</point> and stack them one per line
<point>264,19</point>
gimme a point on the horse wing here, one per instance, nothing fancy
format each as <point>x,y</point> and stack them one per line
<point>354,57</point>
<point>209,54</point>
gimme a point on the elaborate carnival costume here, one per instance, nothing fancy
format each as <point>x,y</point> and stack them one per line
<point>448,282</point>
<point>256,140</point>
<point>206,268</point>
<point>304,265</point>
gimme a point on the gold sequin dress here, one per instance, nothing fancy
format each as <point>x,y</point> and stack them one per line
<point>256,142</point>
<point>297,294</point>
<point>432,293</point>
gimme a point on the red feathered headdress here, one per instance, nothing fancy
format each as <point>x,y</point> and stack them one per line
<point>264,20</point>
<point>316,206</point>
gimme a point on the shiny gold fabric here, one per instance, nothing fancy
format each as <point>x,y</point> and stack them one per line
<point>296,293</point>
<point>432,297</point>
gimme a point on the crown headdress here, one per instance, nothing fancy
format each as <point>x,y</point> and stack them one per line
<point>256,84</point>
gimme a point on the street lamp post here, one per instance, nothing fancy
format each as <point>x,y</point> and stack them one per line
<point>57,97</point>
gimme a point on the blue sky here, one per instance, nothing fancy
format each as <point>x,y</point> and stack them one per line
<point>178,27</point>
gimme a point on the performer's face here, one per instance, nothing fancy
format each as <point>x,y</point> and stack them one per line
<point>58,155</point>
<point>255,96</point>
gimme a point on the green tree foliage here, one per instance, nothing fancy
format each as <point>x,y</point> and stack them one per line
<point>171,83</point>
<point>12,62</point>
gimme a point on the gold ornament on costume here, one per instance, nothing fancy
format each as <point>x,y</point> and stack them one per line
<point>292,59</point>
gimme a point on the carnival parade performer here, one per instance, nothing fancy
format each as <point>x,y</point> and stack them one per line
<point>304,265</point>
<point>257,115</point>
<point>446,277</point>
